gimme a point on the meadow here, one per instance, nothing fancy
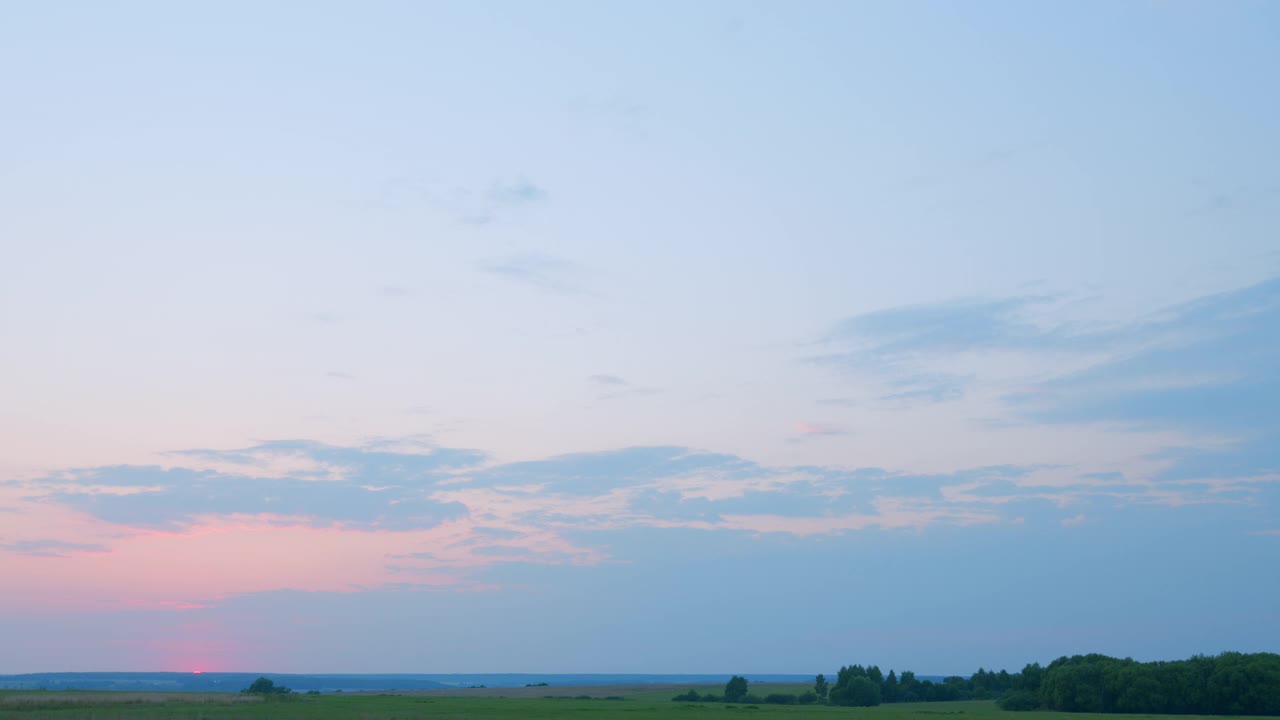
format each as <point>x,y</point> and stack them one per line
<point>635,703</point>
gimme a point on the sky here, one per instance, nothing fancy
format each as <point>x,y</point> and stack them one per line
<point>637,337</point>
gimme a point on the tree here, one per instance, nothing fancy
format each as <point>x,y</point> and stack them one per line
<point>889,691</point>
<point>858,692</point>
<point>265,686</point>
<point>820,686</point>
<point>736,689</point>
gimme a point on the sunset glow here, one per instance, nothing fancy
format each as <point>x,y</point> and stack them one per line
<point>666,337</point>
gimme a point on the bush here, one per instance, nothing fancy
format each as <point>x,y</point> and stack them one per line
<point>860,692</point>
<point>1019,700</point>
<point>752,699</point>
<point>736,689</point>
<point>266,686</point>
<point>780,699</point>
<point>807,698</point>
<point>691,696</point>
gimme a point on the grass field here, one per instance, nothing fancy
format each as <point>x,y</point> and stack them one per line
<point>638,703</point>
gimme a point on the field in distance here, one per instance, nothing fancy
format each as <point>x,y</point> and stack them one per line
<point>636,703</point>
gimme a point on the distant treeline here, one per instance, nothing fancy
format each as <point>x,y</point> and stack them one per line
<point>1228,684</point>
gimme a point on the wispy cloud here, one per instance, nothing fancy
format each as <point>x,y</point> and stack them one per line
<point>476,205</point>
<point>409,512</point>
<point>614,387</point>
<point>905,348</point>
<point>393,291</point>
<point>818,429</point>
<point>838,402</point>
<point>932,387</point>
<point>960,326</point>
<point>538,270</point>
<point>52,548</point>
<point>1074,520</point>
<point>612,380</point>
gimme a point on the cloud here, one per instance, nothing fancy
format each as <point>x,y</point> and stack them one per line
<point>608,380</point>
<point>1197,378</point>
<point>933,388</point>
<point>393,291</point>
<point>52,548</point>
<point>959,326</point>
<point>517,192</point>
<point>477,205</point>
<point>339,375</point>
<point>618,387</point>
<point>813,429</point>
<point>323,318</point>
<point>1073,521</point>
<point>1207,364</point>
<point>904,348</point>
<point>311,483</point>
<point>538,270</point>
<point>403,512</point>
<point>838,402</point>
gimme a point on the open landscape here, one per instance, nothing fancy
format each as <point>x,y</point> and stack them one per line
<point>636,704</point>
<point>639,359</point>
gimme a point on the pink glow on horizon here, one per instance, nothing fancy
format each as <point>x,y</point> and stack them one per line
<point>107,566</point>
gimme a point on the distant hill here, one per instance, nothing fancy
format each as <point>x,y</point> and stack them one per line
<point>235,682</point>
<point>212,682</point>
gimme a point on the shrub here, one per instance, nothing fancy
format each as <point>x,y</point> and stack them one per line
<point>1019,700</point>
<point>780,699</point>
<point>736,689</point>
<point>807,698</point>
<point>266,686</point>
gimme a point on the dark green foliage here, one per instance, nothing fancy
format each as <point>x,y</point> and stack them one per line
<point>1019,700</point>
<point>808,697</point>
<point>820,686</point>
<point>691,696</point>
<point>890,690</point>
<point>855,691</point>
<point>781,699</point>
<point>265,686</point>
<point>736,689</point>
<point>1228,684</point>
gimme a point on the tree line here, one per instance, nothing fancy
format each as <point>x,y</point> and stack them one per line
<point>1226,684</point>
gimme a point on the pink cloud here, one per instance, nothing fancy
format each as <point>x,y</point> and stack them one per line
<point>816,428</point>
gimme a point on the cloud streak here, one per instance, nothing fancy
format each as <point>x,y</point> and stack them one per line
<point>540,271</point>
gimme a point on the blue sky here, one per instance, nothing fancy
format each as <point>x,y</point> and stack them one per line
<point>661,337</point>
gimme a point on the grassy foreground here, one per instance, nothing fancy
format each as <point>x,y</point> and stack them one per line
<point>635,705</point>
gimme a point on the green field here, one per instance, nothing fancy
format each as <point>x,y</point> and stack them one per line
<point>635,705</point>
